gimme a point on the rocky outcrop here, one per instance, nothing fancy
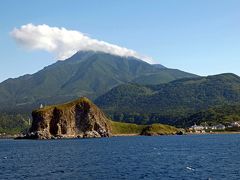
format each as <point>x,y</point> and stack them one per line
<point>77,119</point>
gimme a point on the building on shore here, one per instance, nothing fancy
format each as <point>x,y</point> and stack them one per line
<point>197,129</point>
<point>202,129</point>
<point>218,127</point>
<point>235,124</point>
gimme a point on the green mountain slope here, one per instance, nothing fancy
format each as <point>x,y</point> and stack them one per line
<point>86,73</point>
<point>167,103</point>
<point>164,76</point>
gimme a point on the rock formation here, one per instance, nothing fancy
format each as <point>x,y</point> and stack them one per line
<point>80,118</point>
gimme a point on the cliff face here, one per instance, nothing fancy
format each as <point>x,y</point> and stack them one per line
<point>80,118</point>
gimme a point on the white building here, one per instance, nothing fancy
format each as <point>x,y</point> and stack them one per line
<point>235,124</point>
<point>197,128</point>
<point>218,127</point>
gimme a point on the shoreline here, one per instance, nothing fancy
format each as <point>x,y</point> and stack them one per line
<point>10,136</point>
<point>209,133</point>
<point>122,135</point>
<point>131,135</point>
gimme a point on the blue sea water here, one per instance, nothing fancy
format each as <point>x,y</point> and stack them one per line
<point>164,157</point>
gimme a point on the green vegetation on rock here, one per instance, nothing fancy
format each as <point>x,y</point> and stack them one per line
<point>65,105</point>
<point>159,129</point>
<point>119,128</point>
<point>77,119</point>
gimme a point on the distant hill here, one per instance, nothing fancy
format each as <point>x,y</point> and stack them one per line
<point>170,102</point>
<point>86,73</point>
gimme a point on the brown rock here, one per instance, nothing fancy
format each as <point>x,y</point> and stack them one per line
<point>77,119</point>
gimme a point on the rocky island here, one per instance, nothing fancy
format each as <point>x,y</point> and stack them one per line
<point>80,118</point>
<point>83,119</point>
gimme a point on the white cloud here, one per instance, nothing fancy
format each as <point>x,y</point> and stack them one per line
<point>64,43</point>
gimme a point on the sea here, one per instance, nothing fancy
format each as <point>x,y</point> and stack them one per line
<point>206,157</point>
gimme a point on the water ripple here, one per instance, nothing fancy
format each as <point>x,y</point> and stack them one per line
<point>166,157</point>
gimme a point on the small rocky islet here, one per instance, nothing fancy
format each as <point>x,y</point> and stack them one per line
<point>83,119</point>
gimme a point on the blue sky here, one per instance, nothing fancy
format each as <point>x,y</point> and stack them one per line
<point>201,37</point>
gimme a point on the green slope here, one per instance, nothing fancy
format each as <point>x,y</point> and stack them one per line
<point>165,76</point>
<point>13,123</point>
<point>169,103</point>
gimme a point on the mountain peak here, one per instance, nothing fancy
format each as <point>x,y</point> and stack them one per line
<point>86,73</point>
<point>90,54</point>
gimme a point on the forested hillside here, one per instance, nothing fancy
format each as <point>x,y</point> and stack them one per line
<point>171,102</point>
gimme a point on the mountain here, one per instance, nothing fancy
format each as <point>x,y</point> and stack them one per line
<point>86,73</point>
<point>167,103</point>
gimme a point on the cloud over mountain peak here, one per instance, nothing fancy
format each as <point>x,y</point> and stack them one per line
<point>64,43</point>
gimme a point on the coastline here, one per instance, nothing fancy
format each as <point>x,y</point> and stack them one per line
<point>210,133</point>
<point>122,135</point>
<point>129,135</point>
<point>9,137</point>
